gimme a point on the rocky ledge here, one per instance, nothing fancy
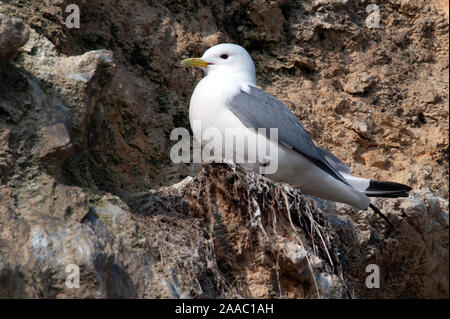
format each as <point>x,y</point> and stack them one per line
<point>84,144</point>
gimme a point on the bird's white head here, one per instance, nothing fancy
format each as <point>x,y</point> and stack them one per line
<point>226,58</point>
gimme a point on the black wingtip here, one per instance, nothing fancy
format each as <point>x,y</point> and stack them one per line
<point>388,186</point>
<point>377,211</point>
<point>389,195</point>
<point>387,189</point>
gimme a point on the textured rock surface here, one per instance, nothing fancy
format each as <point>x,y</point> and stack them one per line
<point>85,119</point>
<point>13,34</point>
<point>412,259</point>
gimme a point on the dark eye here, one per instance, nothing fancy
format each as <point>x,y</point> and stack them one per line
<point>224,56</point>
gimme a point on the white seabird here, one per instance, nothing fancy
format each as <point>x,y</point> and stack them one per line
<point>227,97</point>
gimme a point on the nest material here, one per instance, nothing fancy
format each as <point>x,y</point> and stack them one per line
<point>247,213</point>
<point>263,236</point>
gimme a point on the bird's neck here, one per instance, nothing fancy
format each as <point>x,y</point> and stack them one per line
<point>237,77</point>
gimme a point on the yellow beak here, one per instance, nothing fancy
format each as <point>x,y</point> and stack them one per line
<point>195,62</point>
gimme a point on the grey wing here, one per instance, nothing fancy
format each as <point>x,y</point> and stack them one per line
<point>334,161</point>
<point>258,109</point>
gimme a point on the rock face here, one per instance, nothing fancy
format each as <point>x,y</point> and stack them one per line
<point>13,34</point>
<point>85,120</point>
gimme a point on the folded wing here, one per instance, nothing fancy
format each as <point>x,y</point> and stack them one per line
<point>258,109</point>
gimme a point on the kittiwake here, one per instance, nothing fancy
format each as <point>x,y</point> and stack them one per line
<point>227,97</point>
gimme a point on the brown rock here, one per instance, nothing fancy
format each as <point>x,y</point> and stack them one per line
<point>412,260</point>
<point>73,130</point>
<point>54,138</point>
<point>358,83</point>
<point>13,34</point>
<point>268,18</point>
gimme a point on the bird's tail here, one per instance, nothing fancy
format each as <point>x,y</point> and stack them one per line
<point>370,188</point>
<point>374,188</point>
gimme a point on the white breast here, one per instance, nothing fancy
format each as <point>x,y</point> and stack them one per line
<point>208,104</point>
